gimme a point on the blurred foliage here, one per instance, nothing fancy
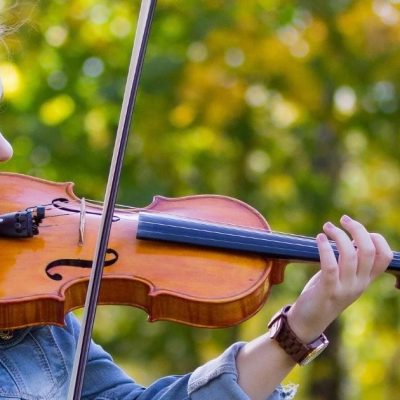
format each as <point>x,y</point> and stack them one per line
<point>291,106</point>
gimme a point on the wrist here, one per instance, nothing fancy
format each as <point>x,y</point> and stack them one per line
<point>305,329</point>
<point>301,350</point>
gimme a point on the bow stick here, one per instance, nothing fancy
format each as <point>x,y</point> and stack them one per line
<point>145,18</point>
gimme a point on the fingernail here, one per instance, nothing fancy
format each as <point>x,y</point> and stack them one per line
<point>321,237</point>
<point>345,219</point>
<point>329,226</point>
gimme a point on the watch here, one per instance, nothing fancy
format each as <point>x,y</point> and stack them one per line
<point>300,352</point>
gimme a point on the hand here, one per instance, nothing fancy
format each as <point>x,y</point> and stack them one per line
<point>339,283</point>
<point>262,363</point>
<point>6,150</point>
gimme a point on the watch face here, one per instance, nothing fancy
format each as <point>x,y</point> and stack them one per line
<point>314,353</point>
<point>275,328</point>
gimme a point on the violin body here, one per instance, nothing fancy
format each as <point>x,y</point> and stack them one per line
<point>45,276</point>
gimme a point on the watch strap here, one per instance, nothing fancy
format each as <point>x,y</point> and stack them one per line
<point>299,351</point>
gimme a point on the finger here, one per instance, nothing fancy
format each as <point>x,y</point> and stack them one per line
<point>329,265</point>
<point>347,261</point>
<point>365,246</point>
<point>383,255</point>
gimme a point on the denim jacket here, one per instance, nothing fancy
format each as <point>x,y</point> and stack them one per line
<point>36,363</point>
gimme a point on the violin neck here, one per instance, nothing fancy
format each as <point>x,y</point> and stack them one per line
<point>157,226</point>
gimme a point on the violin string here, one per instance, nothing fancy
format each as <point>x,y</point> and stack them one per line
<point>304,244</point>
<point>396,255</point>
<point>304,241</point>
<point>123,206</point>
<point>307,242</point>
<point>60,215</point>
<point>101,203</point>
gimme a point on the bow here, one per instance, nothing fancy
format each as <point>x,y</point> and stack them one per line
<point>145,18</point>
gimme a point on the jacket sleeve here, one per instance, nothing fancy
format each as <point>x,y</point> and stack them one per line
<point>218,380</point>
<point>215,380</point>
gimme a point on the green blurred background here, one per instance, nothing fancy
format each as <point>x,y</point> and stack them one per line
<point>291,106</point>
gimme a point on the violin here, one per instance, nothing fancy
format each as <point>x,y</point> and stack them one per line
<point>205,260</point>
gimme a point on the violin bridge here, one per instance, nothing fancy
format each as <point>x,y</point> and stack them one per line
<point>82,219</point>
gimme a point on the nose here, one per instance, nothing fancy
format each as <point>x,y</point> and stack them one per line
<point>6,150</point>
<point>5,147</point>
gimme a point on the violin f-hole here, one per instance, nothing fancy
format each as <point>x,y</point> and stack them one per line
<point>77,263</point>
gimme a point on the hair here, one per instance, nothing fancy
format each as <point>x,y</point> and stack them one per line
<point>14,16</point>
<point>5,30</point>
